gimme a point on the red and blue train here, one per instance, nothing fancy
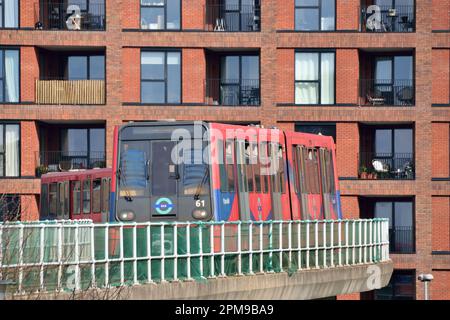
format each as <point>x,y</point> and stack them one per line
<point>198,171</point>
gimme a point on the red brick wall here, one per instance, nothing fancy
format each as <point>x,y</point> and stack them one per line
<point>441,76</point>
<point>29,147</point>
<point>441,14</point>
<point>286,75</point>
<point>440,150</point>
<point>131,12</point>
<point>350,207</point>
<point>193,14</point>
<point>347,75</point>
<point>439,288</point>
<point>347,149</point>
<point>29,72</point>
<point>131,61</point>
<point>347,15</point>
<point>286,15</point>
<point>441,224</point>
<point>29,13</point>
<point>29,205</point>
<point>193,75</point>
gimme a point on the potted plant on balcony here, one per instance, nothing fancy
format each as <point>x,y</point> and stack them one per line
<point>364,172</point>
<point>41,170</point>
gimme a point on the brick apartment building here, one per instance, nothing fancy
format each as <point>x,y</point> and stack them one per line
<point>382,89</point>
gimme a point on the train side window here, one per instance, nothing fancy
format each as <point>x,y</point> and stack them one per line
<point>330,170</point>
<point>296,162</point>
<point>249,167</point>
<point>304,182</point>
<point>274,181</point>
<point>66,199</point>
<point>96,195</point>
<point>87,196</point>
<point>105,195</point>
<point>241,161</point>
<point>61,202</point>
<point>281,172</point>
<point>53,199</point>
<point>229,160</point>
<point>312,171</point>
<point>44,200</point>
<point>264,162</point>
<point>76,197</point>
<point>222,169</point>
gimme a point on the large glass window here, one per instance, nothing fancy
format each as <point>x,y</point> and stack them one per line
<point>315,15</point>
<point>395,147</point>
<point>324,129</point>
<point>401,287</point>
<point>400,213</point>
<point>9,13</point>
<point>315,78</point>
<point>9,150</point>
<point>160,14</point>
<point>84,146</point>
<point>86,67</point>
<point>160,77</point>
<point>9,207</point>
<point>9,75</point>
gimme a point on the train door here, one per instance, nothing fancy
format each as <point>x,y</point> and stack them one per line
<point>86,199</point>
<point>75,199</point>
<point>328,184</point>
<point>105,197</point>
<point>277,179</point>
<point>260,203</point>
<point>63,201</point>
<point>96,214</point>
<point>165,177</point>
<point>242,161</point>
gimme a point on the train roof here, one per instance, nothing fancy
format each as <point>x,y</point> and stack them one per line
<point>73,173</point>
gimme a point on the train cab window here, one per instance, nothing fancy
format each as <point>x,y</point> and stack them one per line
<point>196,173</point>
<point>53,199</point>
<point>229,163</point>
<point>133,171</point>
<point>87,196</point>
<point>76,197</point>
<point>61,200</point>
<point>44,200</point>
<point>106,185</point>
<point>96,195</point>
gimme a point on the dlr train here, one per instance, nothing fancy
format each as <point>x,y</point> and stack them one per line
<point>198,171</point>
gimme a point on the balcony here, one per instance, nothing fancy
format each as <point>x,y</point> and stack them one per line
<point>401,240</point>
<point>232,18</point>
<point>233,92</point>
<point>391,92</point>
<point>79,92</point>
<point>386,166</point>
<point>388,18</point>
<point>60,161</point>
<point>59,15</point>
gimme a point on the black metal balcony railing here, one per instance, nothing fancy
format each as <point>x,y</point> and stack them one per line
<point>386,166</point>
<point>226,17</point>
<point>55,161</point>
<point>63,16</point>
<point>377,92</point>
<point>233,92</point>
<point>401,240</point>
<point>392,19</point>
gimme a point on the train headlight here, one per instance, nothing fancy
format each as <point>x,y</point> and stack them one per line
<point>127,216</point>
<point>200,214</point>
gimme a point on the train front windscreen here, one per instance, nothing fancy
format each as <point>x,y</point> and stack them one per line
<point>161,177</point>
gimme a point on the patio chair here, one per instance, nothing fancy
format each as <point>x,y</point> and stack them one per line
<point>406,95</point>
<point>375,98</point>
<point>380,166</point>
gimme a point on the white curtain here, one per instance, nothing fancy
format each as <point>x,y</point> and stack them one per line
<point>12,75</point>
<point>11,13</point>
<point>327,78</point>
<point>306,69</point>
<point>12,150</point>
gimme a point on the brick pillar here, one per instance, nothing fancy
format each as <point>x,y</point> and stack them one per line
<point>29,207</point>
<point>441,15</point>
<point>193,14</point>
<point>29,72</point>
<point>285,16</point>
<point>440,150</point>
<point>131,11</point>
<point>347,136</point>
<point>193,76</point>
<point>348,15</point>
<point>441,75</point>
<point>29,148</point>
<point>29,13</point>
<point>347,76</point>
<point>350,207</point>
<point>131,62</point>
<point>441,223</point>
<point>286,75</point>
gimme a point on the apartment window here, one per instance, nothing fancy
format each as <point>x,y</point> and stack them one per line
<point>324,129</point>
<point>315,15</point>
<point>315,78</point>
<point>160,14</point>
<point>401,287</point>
<point>86,67</point>
<point>9,207</point>
<point>400,213</point>
<point>9,75</point>
<point>9,13</point>
<point>85,147</point>
<point>9,150</point>
<point>161,77</point>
